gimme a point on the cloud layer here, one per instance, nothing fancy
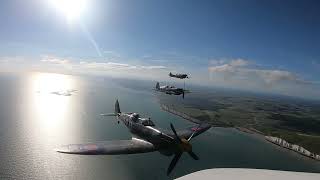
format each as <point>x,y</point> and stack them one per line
<point>96,65</point>
<point>240,69</point>
<point>244,74</point>
<point>234,73</point>
<point>99,68</point>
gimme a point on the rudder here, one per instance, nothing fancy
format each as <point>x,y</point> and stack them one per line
<point>117,108</point>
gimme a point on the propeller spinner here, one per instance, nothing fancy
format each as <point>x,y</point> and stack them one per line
<point>184,146</point>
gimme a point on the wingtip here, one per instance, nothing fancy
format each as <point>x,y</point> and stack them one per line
<point>62,149</point>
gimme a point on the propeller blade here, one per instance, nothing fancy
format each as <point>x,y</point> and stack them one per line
<point>191,136</point>
<point>175,133</point>
<point>193,133</point>
<point>173,162</point>
<point>193,155</point>
<point>183,94</point>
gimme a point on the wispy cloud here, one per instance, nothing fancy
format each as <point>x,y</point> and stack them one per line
<point>55,61</point>
<point>236,73</point>
<point>12,59</point>
<point>153,67</point>
<point>51,63</point>
<point>240,69</point>
<point>245,74</point>
<point>114,65</point>
<point>102,65</point>
<point>233,62</point>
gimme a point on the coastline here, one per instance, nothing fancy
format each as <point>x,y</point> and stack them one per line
<point>275,140</point>
<point>282,143</point>
<point>293,147</point>
<point>180,114</point>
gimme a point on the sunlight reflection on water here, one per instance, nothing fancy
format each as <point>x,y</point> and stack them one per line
<point>35,121</point>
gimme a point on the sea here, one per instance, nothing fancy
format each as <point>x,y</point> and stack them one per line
<point>41,111</point>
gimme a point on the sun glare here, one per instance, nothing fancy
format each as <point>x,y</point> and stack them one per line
<point>50,108</point>
<point>71,9</point>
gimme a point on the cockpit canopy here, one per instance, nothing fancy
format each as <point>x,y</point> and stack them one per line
<point>135,117</point>
<point>147,122</point>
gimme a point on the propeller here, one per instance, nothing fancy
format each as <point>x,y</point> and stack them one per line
<point>182,94</point>
<point>183,146</point>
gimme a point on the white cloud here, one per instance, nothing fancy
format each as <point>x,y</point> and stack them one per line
<point>234,73</point>
<point>14,59</point>
<point>103,65</point>
<point>215,62</point>
<point>63,65</point>
<point>271,76</point>
<point>239,69</point>
<point>243,74</point>
<point>55,61</point>
<point>114,65</point>
<point>153,67</point>
<point>234,62</point>
<point>118,64</point>
<point>239,62</point>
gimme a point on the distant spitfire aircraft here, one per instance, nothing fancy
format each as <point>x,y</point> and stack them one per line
<point>180,76</point>
<point>146,138</point>
<point>170,90</point>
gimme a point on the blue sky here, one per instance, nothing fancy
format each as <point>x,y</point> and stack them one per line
<point>236,44</point>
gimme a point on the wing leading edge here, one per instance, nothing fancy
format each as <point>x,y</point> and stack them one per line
<point>109,147</point>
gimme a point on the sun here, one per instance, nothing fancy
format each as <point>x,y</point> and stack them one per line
<point>71,9</point>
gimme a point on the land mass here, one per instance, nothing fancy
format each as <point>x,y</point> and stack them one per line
<point>295,121</point>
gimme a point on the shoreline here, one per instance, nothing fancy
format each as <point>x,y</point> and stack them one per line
<point>274,140</point>
<point>180,114</point>
<point>282,143</point>
<point>293,147</point>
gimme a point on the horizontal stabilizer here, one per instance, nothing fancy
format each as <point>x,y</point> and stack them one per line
<point>109,114</point>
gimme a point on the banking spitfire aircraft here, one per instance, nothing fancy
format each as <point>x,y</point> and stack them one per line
<point>180,76</point>
<point>170,90</point>
<point>146,138</point>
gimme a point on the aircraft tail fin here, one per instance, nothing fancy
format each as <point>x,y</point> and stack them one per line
<point>117,108</point>
<point>157,86</point>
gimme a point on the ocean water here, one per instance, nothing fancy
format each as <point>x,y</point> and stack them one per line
<point>40,111</point>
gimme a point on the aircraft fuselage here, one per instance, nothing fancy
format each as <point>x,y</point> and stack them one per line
<point>171,90</point>
<point>144,129</point>
<point>180,76</point>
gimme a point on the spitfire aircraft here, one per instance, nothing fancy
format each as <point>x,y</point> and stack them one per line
<point>170,90</point>
<point>146,138</point>
<point>180,76</point>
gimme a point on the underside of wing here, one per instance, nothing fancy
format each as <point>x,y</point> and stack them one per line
<point>109,147</point>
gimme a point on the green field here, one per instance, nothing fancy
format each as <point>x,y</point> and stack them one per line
<point>297,121</point>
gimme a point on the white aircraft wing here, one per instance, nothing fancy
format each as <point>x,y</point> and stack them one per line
<point>249,174</point>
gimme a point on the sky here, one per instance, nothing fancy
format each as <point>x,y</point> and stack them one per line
<point>266,45</point>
